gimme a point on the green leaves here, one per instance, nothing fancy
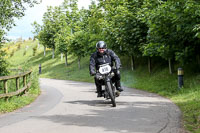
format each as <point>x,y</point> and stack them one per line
<point>136,27</point>
<point>37,28</point>
<point>12,9</point>
<point>78,45</point>
<point>125,30</point>
<point>171,25</point>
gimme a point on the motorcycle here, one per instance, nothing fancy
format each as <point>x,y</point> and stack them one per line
<point>105,73</point>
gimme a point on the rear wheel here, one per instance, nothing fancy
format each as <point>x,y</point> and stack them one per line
<point>111,94</point>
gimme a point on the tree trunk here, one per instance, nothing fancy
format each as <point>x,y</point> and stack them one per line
<point>38,45</point>
<point>132,63</point>
<point>79,63</point>
<point>66,59</point>
<point>149,65</point>
<point>170,65</point>
<point>198,60</point>
<point>44,50</point>
<point>61,56</point>
<point>53,53</point>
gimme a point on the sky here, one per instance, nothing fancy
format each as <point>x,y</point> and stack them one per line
<point>24,28</point>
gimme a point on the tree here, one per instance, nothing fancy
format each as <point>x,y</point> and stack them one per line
<point>37,28</point>
<point>171,31</point>
<point>124,31</point>
<point>94,26</point>
<point>77,22</point>
<point>78,45</point>
<point>9,11</point>
<point>51,26</point>
<point>63,30</point>
<point>62,41</point>
<point>43,37</point>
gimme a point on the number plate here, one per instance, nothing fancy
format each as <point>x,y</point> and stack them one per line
<point>105,69</point>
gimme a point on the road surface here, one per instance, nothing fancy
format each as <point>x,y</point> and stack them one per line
<point>72,107</point>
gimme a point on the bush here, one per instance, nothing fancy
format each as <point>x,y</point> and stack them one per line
<point>24,52</point>
<point>3,65</point>
<point>12,53</point>
<point>34,50</point>
<point>18,46</point>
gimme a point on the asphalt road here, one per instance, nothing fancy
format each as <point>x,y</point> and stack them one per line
<point>72,107</point>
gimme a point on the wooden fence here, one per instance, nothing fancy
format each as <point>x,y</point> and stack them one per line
<point>18,90</point>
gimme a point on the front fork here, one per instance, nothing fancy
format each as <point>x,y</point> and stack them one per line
<point>108,81</point>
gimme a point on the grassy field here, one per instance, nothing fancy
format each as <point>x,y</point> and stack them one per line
<point>160,82</point>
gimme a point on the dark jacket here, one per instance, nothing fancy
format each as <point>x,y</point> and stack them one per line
<point>97,59</point>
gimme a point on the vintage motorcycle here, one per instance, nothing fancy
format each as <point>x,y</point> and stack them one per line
<point>105,73</point>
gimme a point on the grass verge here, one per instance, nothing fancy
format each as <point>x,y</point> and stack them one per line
<point>17,102</point>
<point>164,84</point>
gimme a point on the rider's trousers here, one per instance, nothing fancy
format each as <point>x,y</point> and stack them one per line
<point>115,79</point>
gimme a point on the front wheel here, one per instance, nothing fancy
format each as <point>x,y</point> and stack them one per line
<point>111,94</point>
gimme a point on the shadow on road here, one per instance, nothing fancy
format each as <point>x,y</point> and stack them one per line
<point>96,103</point>
<point>125,118</point>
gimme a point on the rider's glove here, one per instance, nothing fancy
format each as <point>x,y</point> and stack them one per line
<point>118,66</point>
<point>92,73</point>
<point>118,72</point>
<point>98,76</point>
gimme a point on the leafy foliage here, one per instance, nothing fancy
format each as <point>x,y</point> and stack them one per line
<point>169,29</point>
<point>11,9</point>
<point>3,64</point>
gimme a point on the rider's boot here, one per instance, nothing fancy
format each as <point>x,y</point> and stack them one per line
<point>118,86</point>
<point>99,94</point>
<point>117,93</point>
<point>99,91</point>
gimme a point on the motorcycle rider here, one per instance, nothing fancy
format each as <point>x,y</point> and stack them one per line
<point>102,56</point>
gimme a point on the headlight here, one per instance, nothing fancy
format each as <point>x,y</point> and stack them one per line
<point>112,74</point>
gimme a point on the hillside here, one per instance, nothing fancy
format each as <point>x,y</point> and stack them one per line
<point>160,82</point>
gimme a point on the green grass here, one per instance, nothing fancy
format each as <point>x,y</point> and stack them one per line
<point>164,84</point>
<point>17,102</point>
<point>160,81</point>
<point>18,60</point>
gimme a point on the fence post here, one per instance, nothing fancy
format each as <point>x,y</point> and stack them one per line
<point>8,93</point>
<point>24,80</point>
<point>17,83</point>
<point>5,88</point>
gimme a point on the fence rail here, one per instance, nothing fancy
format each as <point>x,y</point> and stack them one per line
<point>19,90</point>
